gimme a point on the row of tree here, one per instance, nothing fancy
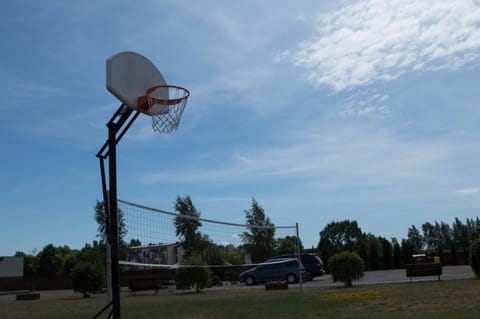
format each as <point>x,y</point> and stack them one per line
<point>451,243</point>
<point>437,238</point>
<point>55,262</point>
<point>258,240</point>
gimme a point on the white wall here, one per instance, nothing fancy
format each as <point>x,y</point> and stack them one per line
<point>11,267</point>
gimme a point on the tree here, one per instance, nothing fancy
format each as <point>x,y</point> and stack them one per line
<point>339,236</point>
<point>346,267</point>
<point>473,228</point>
<point>134,243</point>
<point>215,255</point>
<point>197,276</point>
<point>187,224</point>
<point>408,249</point>
<point>430,237</point>
<point>93,253</point>
<point>397,254</point>
<point>87,278</point>
<point>288,245</point>
<point>101,219</point>
<point>362,251</point>
<point>259,241</point>
<point>460,240</point>
<point>30,263</point>
<point>415,238</point>
<point>386,253</point>
<point>475,256</point>
<point>445,239</point>
<point>49,262</point>
<point>234,256</point>
<point>373,246</point>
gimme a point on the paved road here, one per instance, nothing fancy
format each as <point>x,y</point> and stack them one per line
<point>398,275</point>
<point>377,277</point>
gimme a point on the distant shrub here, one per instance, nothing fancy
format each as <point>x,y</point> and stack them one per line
<point>215,280</point>
<point>475,256</point>
<point>196,277</point>
<point>87,277</point>
<point>346,267</point>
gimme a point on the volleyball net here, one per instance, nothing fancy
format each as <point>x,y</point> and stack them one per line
<point>152,240</point>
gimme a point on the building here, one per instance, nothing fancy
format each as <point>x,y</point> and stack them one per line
<point>11,273</point>
<point>163,254</point>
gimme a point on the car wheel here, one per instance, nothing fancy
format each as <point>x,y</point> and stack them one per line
<point>308,276</point>
<point>291,278</point>
<point>250,280</point>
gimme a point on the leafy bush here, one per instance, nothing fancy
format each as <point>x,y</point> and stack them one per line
<point>215,280</point>
<point>475,256</point>
<point>346,267</point>
<point>189,277</point>
<point>87,277</point>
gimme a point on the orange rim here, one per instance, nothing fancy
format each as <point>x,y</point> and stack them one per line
<point>143,104</point>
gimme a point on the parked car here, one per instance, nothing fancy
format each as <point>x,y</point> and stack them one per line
<point>275,270</point>
<point>312,263</point>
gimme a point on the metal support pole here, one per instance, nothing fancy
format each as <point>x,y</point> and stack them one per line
<point>113,212</point>
<point>106,208</point>
<point>298,256</point>
<point>109,149</point>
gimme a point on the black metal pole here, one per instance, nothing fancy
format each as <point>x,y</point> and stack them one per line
<point>106,199</point>
<point>113,205</point>
<point>109,149</point>
<point>106,208</point>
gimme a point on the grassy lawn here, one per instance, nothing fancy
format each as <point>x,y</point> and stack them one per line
<point>444,299</point>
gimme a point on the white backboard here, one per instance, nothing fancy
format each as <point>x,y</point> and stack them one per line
<point>130,75</point>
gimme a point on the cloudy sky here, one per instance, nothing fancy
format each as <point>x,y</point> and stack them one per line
<point>320,110</point>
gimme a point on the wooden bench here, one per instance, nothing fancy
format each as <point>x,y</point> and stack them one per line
<point>152,279</point>
<point>276,285</point>
<point>28,296</point>
<point>423,269</point>
<point>138,284</point>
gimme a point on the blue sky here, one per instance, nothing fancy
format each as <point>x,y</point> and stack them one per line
<point>321,110</point>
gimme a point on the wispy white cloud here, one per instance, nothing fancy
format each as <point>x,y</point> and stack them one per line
<point>378,40</point>
<point>15,90</point>
<point>240,49</point>
<point>468,191</point>
<point>355,156</point>
<point>367,102</point>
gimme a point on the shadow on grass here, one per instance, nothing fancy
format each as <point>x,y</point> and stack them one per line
<point>188,293</point>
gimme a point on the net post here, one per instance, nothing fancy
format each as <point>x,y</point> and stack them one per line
<point>297,244</point>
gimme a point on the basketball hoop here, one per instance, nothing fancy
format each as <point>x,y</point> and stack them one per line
<point>165,103</point>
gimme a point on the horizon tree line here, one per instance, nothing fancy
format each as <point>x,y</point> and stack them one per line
<point>450,242</point>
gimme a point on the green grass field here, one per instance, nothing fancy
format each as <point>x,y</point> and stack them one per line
<point>435,299</point>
